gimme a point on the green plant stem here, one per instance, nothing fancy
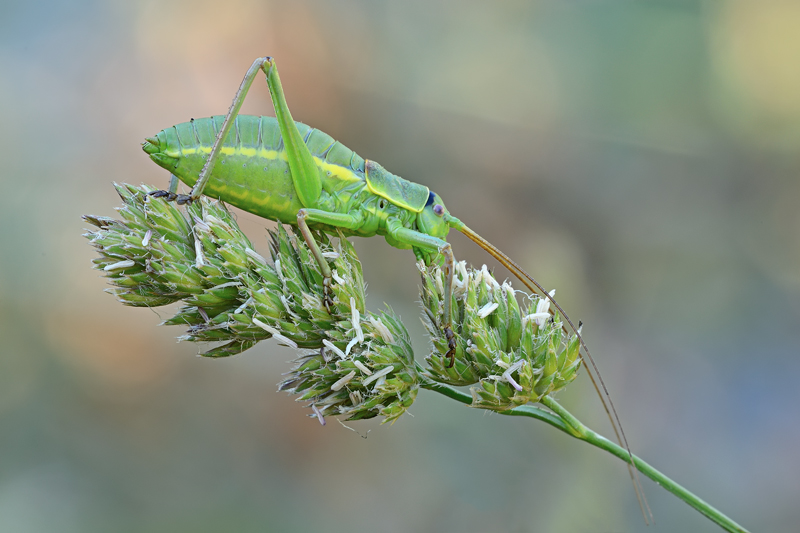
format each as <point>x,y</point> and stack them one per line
<point>563,420</point>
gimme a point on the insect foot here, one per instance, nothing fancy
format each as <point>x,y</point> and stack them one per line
<point>168,196</point>
<point>327,300</point>
<point>451,346</point>
<point>513,355</point>
<point>361,364</point>
<point>180,199</point>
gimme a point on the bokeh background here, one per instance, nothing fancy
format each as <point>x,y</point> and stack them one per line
<point>640,157</point>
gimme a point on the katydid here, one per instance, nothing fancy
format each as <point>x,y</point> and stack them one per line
<point>283,170</point>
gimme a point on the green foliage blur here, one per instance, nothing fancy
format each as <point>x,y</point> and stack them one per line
<point>640,157</point>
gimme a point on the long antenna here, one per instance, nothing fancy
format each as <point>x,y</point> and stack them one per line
<point>594,373</point>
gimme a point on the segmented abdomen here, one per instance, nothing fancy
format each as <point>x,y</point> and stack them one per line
<point>252,170</point>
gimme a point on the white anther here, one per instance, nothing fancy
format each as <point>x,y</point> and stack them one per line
<point>516,366</point>
<point>539,318</point>
<point>243,306</point>
<point>359,334</point>
<point>355,397</point>
<point>379,374</point>
<point>343,381</point>
<point>147,236</point>
<point>361,366</point>
<point>275,333</point>
<point>439,286</point>
<point>199,225</point>
<point>319,414</point>
<point>332,347</point>
<point>198,259</point>
<point>461,268</point>
<point>382,330</point>
<point>350,345</point>
<point>356,319</point>
<point>119,266</point>
<point>487,309</point>
<point>461,279</point>
<point>507,377</point>
<point>543,307</point>
<point>487,277</point>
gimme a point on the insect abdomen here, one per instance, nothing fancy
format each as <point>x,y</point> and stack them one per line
<point>252,171</point>
<point>260,133</point>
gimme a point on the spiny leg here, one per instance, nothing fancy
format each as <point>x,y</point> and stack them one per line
<point>428,242</point>
<point>208,167</point>
<point>236,105</point>
<point>449,268</point>
<point>346,221</point>
<point>323,265</point>
<point>305,173</point>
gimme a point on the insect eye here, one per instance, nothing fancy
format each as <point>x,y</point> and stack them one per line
<point>438,210</point>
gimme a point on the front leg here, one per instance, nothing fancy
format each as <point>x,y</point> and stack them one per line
<point>428,242</point>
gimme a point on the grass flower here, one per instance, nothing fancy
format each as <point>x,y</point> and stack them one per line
<point>360,365</point>
<point>513,359</point>
<point>353,363</point>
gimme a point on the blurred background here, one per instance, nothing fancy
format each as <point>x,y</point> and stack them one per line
<point>640,157</point>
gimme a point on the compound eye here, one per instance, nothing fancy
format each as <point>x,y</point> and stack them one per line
<point>438,210</point>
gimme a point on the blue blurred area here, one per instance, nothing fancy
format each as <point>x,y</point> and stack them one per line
<point>642,158</point>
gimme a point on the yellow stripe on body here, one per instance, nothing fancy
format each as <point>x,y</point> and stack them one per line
<point>336,171</point>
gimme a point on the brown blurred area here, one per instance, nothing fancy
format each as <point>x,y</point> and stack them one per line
<point>640,157</point>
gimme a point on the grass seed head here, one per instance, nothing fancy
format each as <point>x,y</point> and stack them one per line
<point>509,360</point>
<point>157,255</point>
